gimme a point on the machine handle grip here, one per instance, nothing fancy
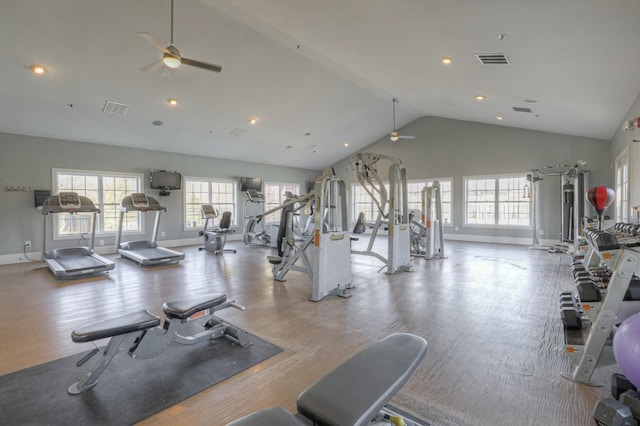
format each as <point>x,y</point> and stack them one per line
<point>237,306</point>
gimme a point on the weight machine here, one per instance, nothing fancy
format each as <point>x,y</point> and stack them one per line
<point>427,237</point>
<point>396,218</point>
<point>573,181</point>
<point>330,267</point>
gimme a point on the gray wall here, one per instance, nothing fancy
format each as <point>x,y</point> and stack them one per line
<point>27,162</point>
<point>453,148</point>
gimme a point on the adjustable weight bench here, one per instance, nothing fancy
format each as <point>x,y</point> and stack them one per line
<point>356,391</point>
<point>140,333</point>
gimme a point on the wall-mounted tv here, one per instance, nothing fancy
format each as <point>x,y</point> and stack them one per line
<point>40,196</point>
<point>247,183</point>
<point>165,179</point>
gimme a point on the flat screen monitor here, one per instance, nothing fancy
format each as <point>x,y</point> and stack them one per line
<point>40,196</point>
<point>165,179</point>
<point>247,183</point>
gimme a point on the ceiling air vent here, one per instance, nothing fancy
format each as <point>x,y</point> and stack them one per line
<point>115,108</point>
<point>493,58</point>
<point>518,109</point>
<point>238,132</point>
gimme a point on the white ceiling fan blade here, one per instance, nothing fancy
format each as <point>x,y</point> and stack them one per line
<point>152,66</point>
<point>203,65</point>
<point>406,137</point>
<point>151,38</point>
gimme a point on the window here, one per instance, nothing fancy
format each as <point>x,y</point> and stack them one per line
<point>106,190</point>
<point>414,192</point>
<point>362,202</point>
<point>218,192</point>
<point>274,196</point>
<point>497,201</point>
<point>622,187</point>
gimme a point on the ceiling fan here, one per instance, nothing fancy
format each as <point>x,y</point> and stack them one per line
<point>171,55</point>
<point>394,135</point>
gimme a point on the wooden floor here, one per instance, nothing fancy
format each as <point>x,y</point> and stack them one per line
<point>489,313</point>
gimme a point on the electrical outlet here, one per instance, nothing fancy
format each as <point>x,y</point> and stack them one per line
<point>27,243</point>
<point>101,242</point>
<point>457,228</point>
<point>162,234</point>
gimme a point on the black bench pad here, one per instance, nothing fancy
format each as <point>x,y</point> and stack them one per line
<point>183,309</point>
<point>357,390</point>
<point>274,260</point>
<point>123,324</point>
<point>274,416</point>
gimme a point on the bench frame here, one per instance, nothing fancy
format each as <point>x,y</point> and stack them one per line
<point>152,339</point>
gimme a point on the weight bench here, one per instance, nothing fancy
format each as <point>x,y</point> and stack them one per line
<point>140,333</point>
<point>356,391</point>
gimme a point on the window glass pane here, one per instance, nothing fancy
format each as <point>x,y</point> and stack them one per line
<point>106,190</point>
<point>198,191</point>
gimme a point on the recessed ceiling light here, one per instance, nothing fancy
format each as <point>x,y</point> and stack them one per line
<point>479,97</point>
<point>346,144</point>
<point>157,123</point>
<point>288,147</point>
<point>502,36</point>
<point>308,134</point>
<point>531,101</point>
<point>499,118</point>
<point>253,120</point>
<point>38,69</point>
<point>446,60</point>
<point>172,101</point>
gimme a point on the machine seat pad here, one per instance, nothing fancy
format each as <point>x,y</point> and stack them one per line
<point>274,260</point>
<point>122,324</point>
<point>183,309</point>
<point>357,390</point>
<point>268,417</point>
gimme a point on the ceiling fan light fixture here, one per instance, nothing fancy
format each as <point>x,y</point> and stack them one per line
<point>170,60</point>
<point>38,69</point>
<point>394,136</point>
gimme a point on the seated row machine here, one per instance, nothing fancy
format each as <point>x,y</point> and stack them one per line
<point>140,334</point>
<point>357,391</point>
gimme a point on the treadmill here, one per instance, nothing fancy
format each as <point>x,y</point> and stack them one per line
<point>72,262</point>
<point>146,253</point>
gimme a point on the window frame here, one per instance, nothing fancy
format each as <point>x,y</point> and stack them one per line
<point>622,187</point>
<point>100,174</point>
<point>496,202</point>
<point>209,181</point>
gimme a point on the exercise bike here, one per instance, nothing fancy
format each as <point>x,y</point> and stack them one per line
<point>254,233</point>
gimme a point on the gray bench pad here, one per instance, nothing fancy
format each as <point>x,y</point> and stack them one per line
<point>123,324</point>
<point>274,416</point>
<point>357,390</point>
<point>183,309</point>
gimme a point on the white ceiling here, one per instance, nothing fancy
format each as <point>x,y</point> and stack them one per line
<point>328,67</point>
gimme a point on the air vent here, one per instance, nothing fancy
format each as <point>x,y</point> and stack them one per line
<point>493,58</point>
<point>238,132</point>
<point>115,108</point>
<point>518,109</point>
<point>311,147</point>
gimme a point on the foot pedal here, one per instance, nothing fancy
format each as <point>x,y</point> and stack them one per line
<point>241,336</point>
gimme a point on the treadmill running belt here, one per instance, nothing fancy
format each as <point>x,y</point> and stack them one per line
<point>78,263</point>
<point>153,253</point>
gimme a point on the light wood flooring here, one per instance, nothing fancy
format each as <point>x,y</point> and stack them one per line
<point>489,313</point>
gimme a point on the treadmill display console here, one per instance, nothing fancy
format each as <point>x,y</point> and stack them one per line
<point>208,211</point>
<point>139,200</point>
<point>69,200</point>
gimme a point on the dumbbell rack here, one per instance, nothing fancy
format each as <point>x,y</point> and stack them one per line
<point>596,351</point>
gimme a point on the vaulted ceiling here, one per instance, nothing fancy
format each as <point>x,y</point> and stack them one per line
<point>313,73</point>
